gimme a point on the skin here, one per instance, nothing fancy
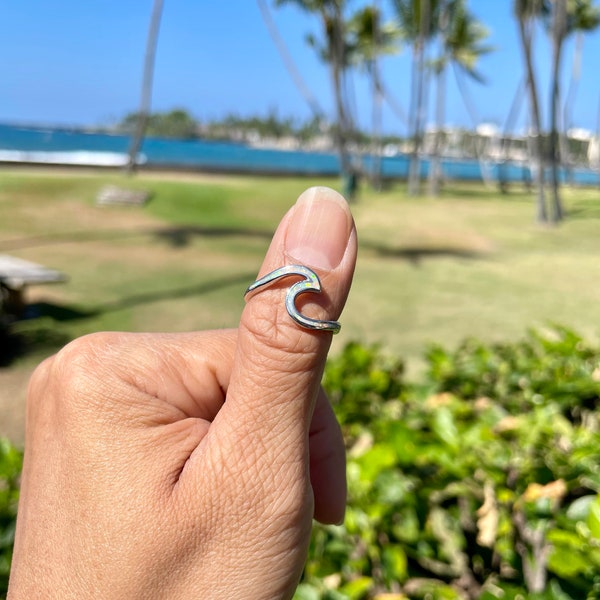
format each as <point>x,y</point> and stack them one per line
<point>190,465</point>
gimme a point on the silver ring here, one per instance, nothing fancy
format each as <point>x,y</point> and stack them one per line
<point>309,283</point>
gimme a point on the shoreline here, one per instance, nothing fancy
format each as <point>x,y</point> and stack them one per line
<point>159,173</point>
<point>148,168</point>
<point>102,152</point>
<point>194,172</point>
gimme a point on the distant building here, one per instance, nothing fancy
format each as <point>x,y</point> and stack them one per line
<point>487,142</point>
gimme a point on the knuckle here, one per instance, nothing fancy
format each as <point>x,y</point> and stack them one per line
<point>83,368</point>
<point>79,359</point>
<point>64,383</point>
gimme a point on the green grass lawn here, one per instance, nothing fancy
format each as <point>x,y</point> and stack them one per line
<point>471,263</point>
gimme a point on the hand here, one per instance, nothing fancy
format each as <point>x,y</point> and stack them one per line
<point>190,465</point>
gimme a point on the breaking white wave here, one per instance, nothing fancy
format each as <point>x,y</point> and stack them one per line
<point>78,157</point>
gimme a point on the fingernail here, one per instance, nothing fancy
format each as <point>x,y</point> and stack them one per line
<point>319,229</point>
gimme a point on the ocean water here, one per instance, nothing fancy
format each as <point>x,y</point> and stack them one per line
<point>60,146</point>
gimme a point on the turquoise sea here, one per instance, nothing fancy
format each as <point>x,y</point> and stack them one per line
<point>20,144</point>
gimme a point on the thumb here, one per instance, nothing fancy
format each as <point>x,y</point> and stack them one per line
<point>278,364</point>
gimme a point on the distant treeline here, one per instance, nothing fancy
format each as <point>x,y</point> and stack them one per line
<point>176,123</point>
<point>318,133</point>
<point>180,124</point>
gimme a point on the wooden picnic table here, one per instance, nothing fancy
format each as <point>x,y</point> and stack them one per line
<point>15,275</point>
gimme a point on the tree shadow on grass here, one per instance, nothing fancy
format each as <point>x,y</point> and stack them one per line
<point>179,237</point>
<point>514,193</point>
<point>45,338</point>
<point>416,255</point>
<point>176,236</point>
<point>56,312</point>
<point>583,212</point>
<point>175,293</point>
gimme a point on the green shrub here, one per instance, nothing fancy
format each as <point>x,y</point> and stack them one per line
<point>480,482</point>
<point>11,461</point>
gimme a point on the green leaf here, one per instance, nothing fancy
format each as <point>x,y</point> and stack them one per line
<point>445,428</point>
<point>579,510</point>
<point>593,519</point>
<point>395,563</point>
<point>393,487</point>
<point>377,459</point>
<point>565,539</point>
<point>567,562</point>
<point>407,529</point>
<point>306,591</point>
<point>357,588</point>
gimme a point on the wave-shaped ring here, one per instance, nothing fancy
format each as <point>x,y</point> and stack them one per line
<point>309,283</point>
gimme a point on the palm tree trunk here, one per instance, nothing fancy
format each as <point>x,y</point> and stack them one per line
<point>526,46</point>
<point>419,102</point>
<point>376,128</point>
<point>337,65</point>
<point>513,113</point>
<point>393,104</point>
<point>413,165</point>
<point>559,8</point>
<point>377,102</point>
<point>146,94</point>
<point>595,163</point>
<point>341,133</point>
<point>480,148</point>
<point>570,103</point>
<point>435,162</point>
<point>288,61</point>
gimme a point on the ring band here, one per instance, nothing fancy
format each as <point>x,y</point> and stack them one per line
<point>309,283</point>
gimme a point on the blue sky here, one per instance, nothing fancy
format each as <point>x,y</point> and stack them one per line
<point>74,62</point>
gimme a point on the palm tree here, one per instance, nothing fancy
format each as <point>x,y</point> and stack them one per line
<point>583,18</point>
<point>561,17</point>
<point>461,38</point>
<point>146,93</point>
<point>288,62</point>
<point>334,51</point>
<point>564,19</point>
<point>526,12</point>
<point>574,78</point>
<point>418,21</point>
<point>558,34</point>
<point>507,130</point>
<point>369,39</point>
